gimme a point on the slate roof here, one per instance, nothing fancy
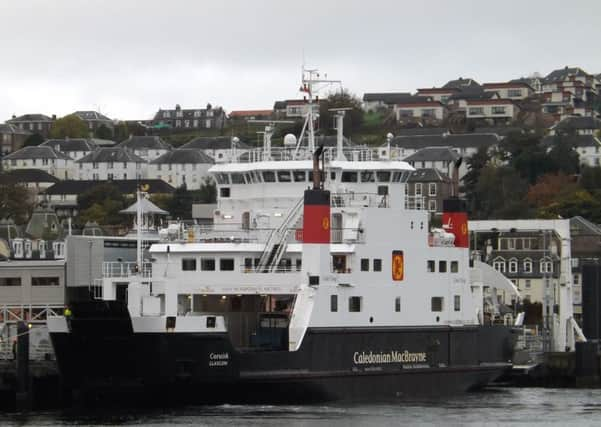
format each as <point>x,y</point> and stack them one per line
<point>147,208</point>
<point>433,154</point>
<point>279,105</point>
<point>212,143</point>
<point>30,118</point>
<point>473,94</point>
<point>563,73</point>
<point>111,154</point>
<point>578,122</point>
<point>126,186</point>
<point>71,144</point>
<point>462,84</point>
<point>17,176</point>
<point>428,175</point>
<point>38,152</point>
<point>187,113</point>
<point>574,140</point>
<point>144,143</point>
<point>421,131</point>
<point>465,140</point>
<point>581,226</point>
<point>92,116</point>
<point>183,156</point>
<point>387,98</point>
<point>501,131</point>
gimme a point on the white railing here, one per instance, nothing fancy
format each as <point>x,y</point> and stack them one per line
<point>112,269</point>
<point>366,200</point>
<point>357,153</point>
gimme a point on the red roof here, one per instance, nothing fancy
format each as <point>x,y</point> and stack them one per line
<point>505,85</point>
<point>250,113</point>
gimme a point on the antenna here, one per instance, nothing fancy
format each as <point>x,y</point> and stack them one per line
<point>268,133</point>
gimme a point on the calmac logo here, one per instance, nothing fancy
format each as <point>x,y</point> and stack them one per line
<point>464,229</point>
<point>325,223</point>
<point>398,265</point>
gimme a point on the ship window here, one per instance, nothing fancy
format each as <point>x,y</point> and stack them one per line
<point>397,304</point>
<point>224,192</point>
<point>211,320</point>
<point>383,176</point>
<point>10,281</point>
<point>284,176</point>
<point>333,303</point>
<point>454,267</point>
<point>333,176</point>
<point>349,177</point>
<point>397,177</point>
<point>248,177</point>
<point>44,281</point>
<point>367,176</point>
<point>442,266</point>
<point>299,176</point>
<point>248,264</point>
<point>226,264</point>
<point>364,264</point>
<point>354,304</point>
<point>222,178</point>
<point>189,264</point>
<point>237,178</point>
<point>207,264</point>
<point>457,302</point>
<point>377,264</point>
<point>299,264</point>
<point>431,266</point>
<point>256,176</point>
<point>437,303</point>
<point>268,176</point>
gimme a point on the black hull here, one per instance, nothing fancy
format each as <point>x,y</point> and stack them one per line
<point>101,356</point>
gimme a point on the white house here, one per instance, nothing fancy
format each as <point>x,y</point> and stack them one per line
<point>218,148</point>
<point>442,159</point>
<point>463,144</point>
<point>41,157</point>
<point>182,166</point>
<point>111,163</point>
<point>147,147</point>
<point>496,110</point>
<point>588,147</point>
<point>76,148</point>
<point>420,110</point>
<point>510,90</point>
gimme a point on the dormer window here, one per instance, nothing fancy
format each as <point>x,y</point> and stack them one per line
<point>513,265</point>
<point>527,266</point>
<point>499,265</point>
<point>546,266</point>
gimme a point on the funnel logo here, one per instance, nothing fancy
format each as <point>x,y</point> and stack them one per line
<point>325,223</point>
<point>464,229</point>
<point>398,266</point>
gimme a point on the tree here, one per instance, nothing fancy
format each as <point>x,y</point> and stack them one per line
<point>69,126</point>
<point>33,140</point>
<point>590,178</point>
<point>353,119</point>
<point>180,205</point>
<point>526,154</point>
<point>207,192</point>
<point>475,164</point>
<point>121,132</point>
<point>501,193</point>
<point>16,202</point>
<point>578,203</point>
<point>563,156</point>
<point>102,204</point>
<point>550,188</point>
<point>103,132</point>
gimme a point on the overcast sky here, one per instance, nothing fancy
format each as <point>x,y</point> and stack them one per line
<point>129,58</point>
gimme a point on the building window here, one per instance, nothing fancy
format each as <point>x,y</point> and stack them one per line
<point>454,266</point>
<point>442,266</point>
<point>498,110</point>
<point>397,304</point>
<point>354,304</point>
<point>575,279</point>
<point>432,189</point>
<point>207,264</point>
<point>418,189</point>
<point>333,303</point>
<point>364,264</point>
<point>44,281</point>
<point>436,303</point>
<point>432,205</point>
<point>226,264</point>
<point>457,302</point>
<point>431,266</point>
<point>499,265</point>
<point>189,264</point>
<point>528,283</point>
<point>377,264</point>
<point>546,267</point>
<point>94,165</point>
<point>10,281</point>
<point>527,265</point>
<point>513,93</point>
<point>476,111</point>
<point>513,266</point>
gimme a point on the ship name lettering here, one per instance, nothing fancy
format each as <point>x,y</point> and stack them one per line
<point>371,358</point>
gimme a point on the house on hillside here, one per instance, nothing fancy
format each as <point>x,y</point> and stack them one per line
<point>94,119</point>
<point>12,138</point>
<point>190,118</point>
<point>514,90</point>
<point>34,123</point>
<point>76,148</point>
<point>568,91</point>
<point>576,125</point>
<point>428,188</point>
<point>34,179</point>
<point>111,164</point>
<point>45,158</point>
<point>443,159</point>
<point>375,101</point>
<point>464,144</point>
<point>588,147</point>
<point>221,149</point>
<point>184,166</point>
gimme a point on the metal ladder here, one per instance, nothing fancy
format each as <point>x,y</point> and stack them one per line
<point>276,243</point>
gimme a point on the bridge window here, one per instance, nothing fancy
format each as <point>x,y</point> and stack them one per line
<point>442,266</point>
<point>457,302</point>
<point>256,176</point>
<point>248,176</point>
<point>237,178</point>
<point>226,264</point>
<point>333,303</point>
<point>189,264</point>
<point>436,303</point>
<point>397,304</point>
<point>383,176</point>
<point>354,304</point>
<point>299,176</point>
<point>284,176</point>
<point>368,176</point>
<point>207,264</point>
<point>44,281</point>
<point>268,176</point>
<point>349,177</point>
<point>10,281</point>
<point>364,264</point>
<point>454,266</point>
<point>377,264</point>
<point>431,266</point>
<point>222,178</point>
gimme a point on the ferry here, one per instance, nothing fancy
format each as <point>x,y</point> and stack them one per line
<point>320,280</point>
